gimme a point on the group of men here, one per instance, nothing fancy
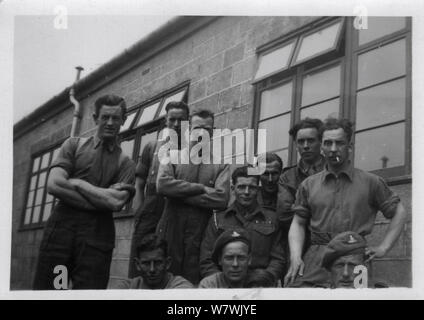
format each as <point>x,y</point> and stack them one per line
<point>206,224</point>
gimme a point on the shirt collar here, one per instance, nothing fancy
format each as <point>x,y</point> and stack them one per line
<point>303,168</point>
<point>347,171</point>
<point>234,209</point>
<point>110,145</point>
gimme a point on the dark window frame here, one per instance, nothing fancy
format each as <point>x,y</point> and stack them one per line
<point>349,75</point>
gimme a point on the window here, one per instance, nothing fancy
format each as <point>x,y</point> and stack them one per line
<point>145,120</point>
<point>330,69</point>
<point>39,203</point>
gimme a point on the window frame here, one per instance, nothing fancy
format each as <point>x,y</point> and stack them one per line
<point>348,60</point>
<point>39,154</point>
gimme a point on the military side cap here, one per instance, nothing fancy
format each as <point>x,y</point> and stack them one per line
<point>343,244</point>
<point>229,235</point>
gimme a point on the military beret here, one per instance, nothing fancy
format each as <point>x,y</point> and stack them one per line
<point>229,235</point>
<point>343,244</point>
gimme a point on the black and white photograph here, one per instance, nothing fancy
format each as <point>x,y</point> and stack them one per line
<point>212,152</point>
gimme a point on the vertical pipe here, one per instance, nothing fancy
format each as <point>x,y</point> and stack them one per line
<point>77,108</point>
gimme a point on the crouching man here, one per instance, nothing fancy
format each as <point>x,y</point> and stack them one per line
<point>152,263</point>
<point>345,258</point>
<point>231,253</point>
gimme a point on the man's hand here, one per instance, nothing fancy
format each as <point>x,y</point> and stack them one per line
<point>375,252</point>
<point>209,190</point>
<point>296,267</point>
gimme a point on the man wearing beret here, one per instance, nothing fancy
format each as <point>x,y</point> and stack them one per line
<point>343,253</point>
<point>231,253</point>
<point>259,222</point>
<point>338,199</point>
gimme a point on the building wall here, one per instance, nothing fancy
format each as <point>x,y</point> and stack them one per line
<point>219,61</point>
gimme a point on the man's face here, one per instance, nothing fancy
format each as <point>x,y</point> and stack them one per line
<point>174,118</point>
<point>235,261</point>
<point>108,121</point>
<point>336,147</point>
<point>308,144</point>
<point>200,123</point>
<point>246,191</point>
<point>269,179</point>
<point>342,274</point>
<point>153,267</point>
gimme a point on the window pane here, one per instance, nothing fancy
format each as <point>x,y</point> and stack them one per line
<point>147,138</point>
<point>318,42</point>
<point>42,179</point>
<point>39,196</point>
<point>36,164</point>
<point>381,104</point>
<point>274,60</point>
<point>128,122</point>
<point>383,63</point>
<point>147,114</point>
<point>379,27</point>
<point>30,199</point>
<point>47,211</point>
<point>33,181</point>
<point>27,216</point>
<point>176,97</point>
<point>321,85</point>
<point>128,147</point>
<point>276,101</point>
<point>45,160</point>
<point>380,148</point>
<point>36,215</point>
<point>277,129</point>
<point>322,110</point>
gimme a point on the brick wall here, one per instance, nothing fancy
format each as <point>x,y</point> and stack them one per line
<point>219,61</point>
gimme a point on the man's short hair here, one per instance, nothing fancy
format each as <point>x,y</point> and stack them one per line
<point>334,124</point>
<point>271,157</point>
<point>152,242</point>
<point>177,105</point>
<point>305,124</point>
<point>202,113</point>
<point>242,172</point>
<point>110,100</point>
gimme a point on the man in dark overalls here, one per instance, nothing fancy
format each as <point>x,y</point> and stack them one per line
<point>149,205</point>
<point>92,178</point>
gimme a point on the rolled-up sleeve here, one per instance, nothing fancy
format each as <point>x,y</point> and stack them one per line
<point>66,156</point>
<point>385,199</point>
<point>301,205</point>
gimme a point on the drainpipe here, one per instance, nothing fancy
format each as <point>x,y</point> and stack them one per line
<point>77,110</point>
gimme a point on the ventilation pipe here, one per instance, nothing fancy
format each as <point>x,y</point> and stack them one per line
<point>77,108</point>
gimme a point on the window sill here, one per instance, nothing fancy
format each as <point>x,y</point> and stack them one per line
<point>394,181</point>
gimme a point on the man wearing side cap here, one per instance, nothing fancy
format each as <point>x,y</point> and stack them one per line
<point>231,253</point>
<point>342,255</point>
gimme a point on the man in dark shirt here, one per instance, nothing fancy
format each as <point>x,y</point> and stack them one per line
<point>261,224</point>
<point>92,178</point>
<point>339,198</point>
<point>148,203</point>
<point>305,134</point>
